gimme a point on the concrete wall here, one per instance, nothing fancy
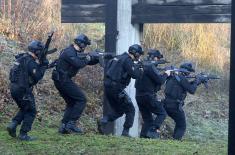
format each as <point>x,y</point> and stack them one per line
<point>128,34</point>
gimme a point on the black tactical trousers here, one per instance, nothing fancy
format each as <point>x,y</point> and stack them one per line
<point>74,97</point>
<point>121,104</point>
<point>27,109</point>
<point>176,112</point>
<point>149,105</point>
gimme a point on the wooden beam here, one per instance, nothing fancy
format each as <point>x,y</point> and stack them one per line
<point>86,2</point>
<point>186,2</point>
<point>154,13</point>
<point>110,46</point>
<point>151,11</point>
<point>180,9</point>
<point>83,11</point>
<point>231,132</point>
<point>190,18</point>
<point>78,7</point>
<point>111,26</point>
<point>82,19</point>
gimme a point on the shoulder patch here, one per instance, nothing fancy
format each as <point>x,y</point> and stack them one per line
<point>34,71</point>
<point>116,59</point>
<point>133,68</point>
<point>16,63</point>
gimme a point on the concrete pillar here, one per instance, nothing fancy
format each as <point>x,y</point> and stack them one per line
<point>128,34</point>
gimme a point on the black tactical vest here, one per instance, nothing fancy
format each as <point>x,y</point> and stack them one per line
<point>19,71</point>
<point>114,69</point>
<point>174,90</point>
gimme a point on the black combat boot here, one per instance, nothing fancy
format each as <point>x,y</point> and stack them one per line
<point>25,137</point>
<point>101,124</point>
<point>11,128</point>
<point>143,132</point>
<point>72,128</point>
<point>142,136</point>
<point>125,132</point>
<point>62,129</point>
<point>152,133</point>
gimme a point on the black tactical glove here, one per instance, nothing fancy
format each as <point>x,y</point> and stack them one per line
<point>53,64</point>
<point>197,81</point>
<point>200,79</point>
<point>94,55</point>
<point>44,62</point>
<point>108,56</point>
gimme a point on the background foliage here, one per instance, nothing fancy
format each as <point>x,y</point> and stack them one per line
<point>206,45</point>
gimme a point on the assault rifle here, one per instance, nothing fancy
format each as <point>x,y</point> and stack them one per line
<point>106,55</point>
<point>46,50</point>
<point>174,70</point>
<point>204,78</point>
<point>152,62</point>
<point>99,55</point>
<point>145,62</point>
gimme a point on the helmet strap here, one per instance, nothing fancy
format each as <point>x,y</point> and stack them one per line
<point>137,56</point>
<point>33,55</point>
<point>82,45</point>
<point>78,48</point>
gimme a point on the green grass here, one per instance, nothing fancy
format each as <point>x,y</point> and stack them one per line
<point>50,142</point>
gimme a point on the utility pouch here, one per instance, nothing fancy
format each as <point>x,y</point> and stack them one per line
<point>55,75</point>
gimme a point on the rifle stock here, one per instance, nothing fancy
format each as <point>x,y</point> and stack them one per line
<point>174,69</point>
<point>46,50</point>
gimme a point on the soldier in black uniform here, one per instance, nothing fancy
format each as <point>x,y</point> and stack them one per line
<point>146,89</point>
<point>118,73</point>
<point>25,73</point>
<point>71,60</point>
<point>177,87</point>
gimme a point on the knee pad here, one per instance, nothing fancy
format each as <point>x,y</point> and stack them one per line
<point>79,105</point>
<point>125,98</point>
<point>83,99</point>
<point>129,107</point>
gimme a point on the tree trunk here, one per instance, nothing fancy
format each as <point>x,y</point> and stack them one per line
<point>3,8</point>
<point>9,8</point>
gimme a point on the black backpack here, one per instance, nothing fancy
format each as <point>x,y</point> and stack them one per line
<point>114,69</point>
<point>19,71</point>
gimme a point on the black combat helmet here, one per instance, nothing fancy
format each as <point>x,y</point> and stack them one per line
<point>36,47</point>
<point>152,53</point>
<point>136,50</point>
<point>82,41</point>
<point>188,66</point>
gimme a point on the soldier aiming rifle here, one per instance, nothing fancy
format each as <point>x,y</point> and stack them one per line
<point>204,78</point>
<point>26,73</point>
<point>146,94</point>
<point>177,88</point>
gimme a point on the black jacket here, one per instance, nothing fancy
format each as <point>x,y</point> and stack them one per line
<point>150,82</point>
<point>36,71</point>
<point>26,72</point>
<point>121,69</point>
<point>70,62</point>
<point>178,87</point>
